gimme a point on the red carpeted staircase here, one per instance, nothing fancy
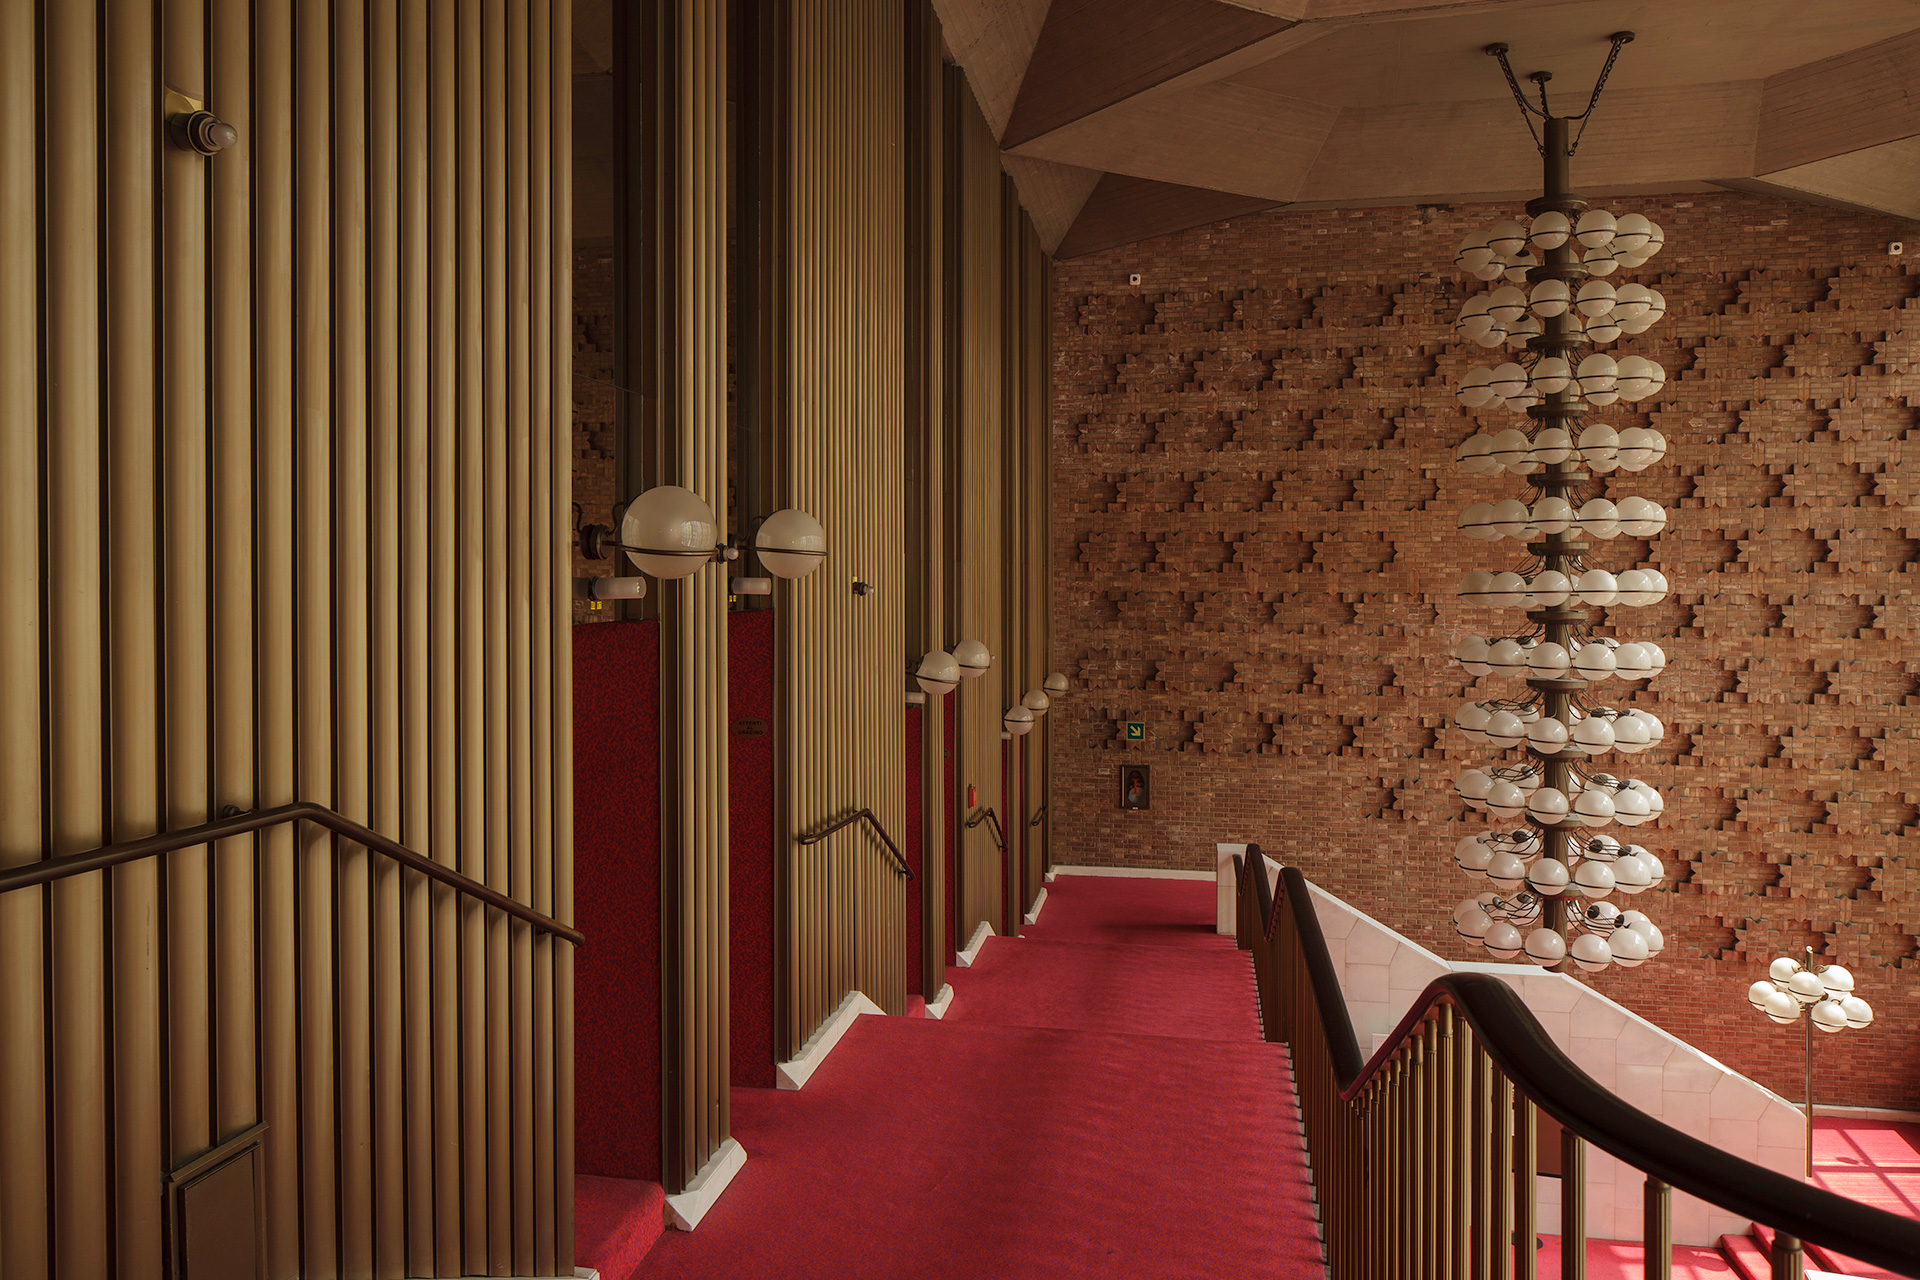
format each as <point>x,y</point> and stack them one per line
<point>1098,1102</point>
<point>615,1223</point>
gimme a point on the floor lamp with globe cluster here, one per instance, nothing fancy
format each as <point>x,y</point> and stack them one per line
<point>1825,993</point>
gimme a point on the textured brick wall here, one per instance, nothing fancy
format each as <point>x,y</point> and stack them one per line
<point>1255,552</point>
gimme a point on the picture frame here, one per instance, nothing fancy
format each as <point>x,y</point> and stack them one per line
<point>1136,786</point>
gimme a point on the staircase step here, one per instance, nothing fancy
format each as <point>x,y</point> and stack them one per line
<point>615,1223</point>
<point>1747,1257</point>
<point>1817,1258</point>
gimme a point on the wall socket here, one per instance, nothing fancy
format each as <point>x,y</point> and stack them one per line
<point>1896,249</point>
<point>1134,278</point>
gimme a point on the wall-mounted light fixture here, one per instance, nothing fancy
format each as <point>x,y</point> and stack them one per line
<point>1037,702</point>
<point>790,543</point>
<point>668,531</point>
<point>973,658</point>
<point>1055,684</point>
<point>937,673</point>
<point>1018,721</point>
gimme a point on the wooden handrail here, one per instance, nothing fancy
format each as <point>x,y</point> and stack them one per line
<point>988,815</point>
<point>236,823</point>
<point>1526,1056</point>
<point>899,862</point>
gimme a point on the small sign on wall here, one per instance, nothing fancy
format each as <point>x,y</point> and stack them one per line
<point>1136,731</point>
<point>1136,786</point>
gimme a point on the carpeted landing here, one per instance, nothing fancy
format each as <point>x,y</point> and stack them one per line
<point>1097,1103</point>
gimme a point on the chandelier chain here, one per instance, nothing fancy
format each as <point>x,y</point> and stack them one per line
<point>1528,111</point>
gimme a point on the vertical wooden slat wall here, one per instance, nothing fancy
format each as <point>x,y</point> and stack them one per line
<point>693,435</point>
<point>842,697</point>
<point>978,489</point>
<point>1035,558</point>
<point>284,491</point>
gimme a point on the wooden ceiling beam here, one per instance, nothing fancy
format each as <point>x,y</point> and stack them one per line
<point>1125,210</point>
<point>1840,105</point>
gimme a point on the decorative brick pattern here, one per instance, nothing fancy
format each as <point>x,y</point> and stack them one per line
<point>1255,548</point>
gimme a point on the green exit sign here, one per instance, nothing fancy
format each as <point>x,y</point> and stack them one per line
<point>1136,731</point>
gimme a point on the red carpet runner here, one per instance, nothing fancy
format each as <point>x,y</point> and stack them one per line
<point>1098,1103</point>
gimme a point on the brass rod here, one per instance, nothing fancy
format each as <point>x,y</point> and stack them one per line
<point>1526,1163</point>
<point>1786,1260</point>
<point>1573,1206</point>
<point>1657,1232</point>
<point>1500,1236</point>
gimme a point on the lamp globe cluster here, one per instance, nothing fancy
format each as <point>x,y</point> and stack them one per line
<point>1564,844</point>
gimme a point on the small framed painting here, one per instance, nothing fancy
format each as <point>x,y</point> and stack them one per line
<point>1136,786</point>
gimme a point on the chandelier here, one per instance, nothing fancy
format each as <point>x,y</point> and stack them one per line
<point>1552,301</point>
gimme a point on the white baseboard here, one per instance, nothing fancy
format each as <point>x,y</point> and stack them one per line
<point>937,1007</point>
<point>1050,875</point>
<point>965,959</point>
<point>1039,901</point>
<point>1863,1113</point>
<point>1141,873</point>
<point>685,1210</point>
<point>814,1052</point>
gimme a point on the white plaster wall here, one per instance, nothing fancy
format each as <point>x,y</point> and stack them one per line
<point>1381,973</point>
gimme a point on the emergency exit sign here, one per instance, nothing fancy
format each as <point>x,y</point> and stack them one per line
<point>1136,731</point>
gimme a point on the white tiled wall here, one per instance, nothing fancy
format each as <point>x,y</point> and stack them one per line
<point>1382,973</point>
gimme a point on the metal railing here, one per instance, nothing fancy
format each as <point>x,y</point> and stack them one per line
<point>238,823</point>
<point>899,861</point>
<point>988,815</point>
<point>1039,816</point>
<point>1425,1156</point>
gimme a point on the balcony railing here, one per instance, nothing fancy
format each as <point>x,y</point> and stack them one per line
<point>1425,1157</point>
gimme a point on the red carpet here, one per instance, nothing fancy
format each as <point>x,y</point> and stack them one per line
<point>615,1223</point>
<point>974,1148</point>
<point>1876,1162</point>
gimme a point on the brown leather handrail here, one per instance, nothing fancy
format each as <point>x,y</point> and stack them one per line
<point>1528,1057</point>
<point>240,823</point>
<point>899,862</point>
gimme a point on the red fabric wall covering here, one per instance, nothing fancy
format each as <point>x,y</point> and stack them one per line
<point>616,823</point>
<point>750,848</point>
<point>916,985</point>
<point>953,825</point>
<point>1007,822</point>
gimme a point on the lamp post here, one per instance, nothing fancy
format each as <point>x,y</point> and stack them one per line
<point>1827,995</point>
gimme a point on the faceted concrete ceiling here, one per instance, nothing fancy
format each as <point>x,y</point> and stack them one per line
<point>1123,119</point>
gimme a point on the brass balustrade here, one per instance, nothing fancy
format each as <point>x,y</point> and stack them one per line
<point>1425,1156</point>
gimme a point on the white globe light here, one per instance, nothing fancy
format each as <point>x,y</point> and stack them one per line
<point>1472,654</point>
<point>1474,584</point>
<point>1593,879</point>
<point>1629,734</point>
<point>1504,729</point>
<point>1655,239</point>
<point>1506,303</point>
<point>1641,518</point>
<point>1597,373</point>
<point>1837,981</point>
<point>1036,701</point>
<point>1522,332</point>
<point>1547,736</point>
<point>1552,444</point>
<point>1471,455</point>
<point>1509,448</point>
<point>1510,516</point>
<point>1629,948</point>
<point>669,532</point>
<point>1805,987</point>
<point>1551,514</point>
<point>1549,298</point>
<point>1548,660</point>
<point>1518,265</point>
<point>1595,808</point>
<point>1552,374</point>
<point>1828,1016</point>
<point>1603,329</point>
<point>1550,588</point>
<point>1472,719</point>
<point>1470,905</point>
<point>1505,800</point>
<point>1635,378</point>
<point>937,673</point>
<point>1549,230</point>
<point>1477,521</point>
<point>1593,662</point>
<point>1782,1008</point>
<point>1631,232</point>
<point>1055,684</point>
<point>1472,854</point>
<point>1507,658</point>
<point>1631,301</point>
<point>1595,298</point>
<point>1473,924</point>
<point>1636,586</point>
<point>1599,518</point>
<point>1507,589</point>
<point>1508,381</point>
<point>791,544</point>
<point>1472,252</point>
<point>1546,948</point>
<point>1472,786</point>
<point>1593,735</point>
<point>1506,239</point>
<point>1017,721</point>
<point>1656,940</point>
<point>1630,872</point>
<point>1595,228</point>
<point>1503,941</point>
<point>1630,808</point>
<point>1630,662</point>
<point>973,658</point>
<point>1859,1012</point>
<point>1547,805</point>
<point>1474,386</point>
<point>1599,262</point>
<point>1548,877</point>
<point>1783,968</point>
<point>1591,952</point>
<point>1506,871</point>
<point>1757,995</point>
